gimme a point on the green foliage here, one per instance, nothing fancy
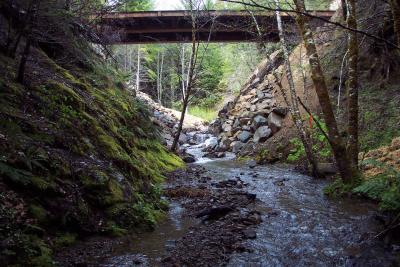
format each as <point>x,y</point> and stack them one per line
<point>204,113</point>
<point>385,187</point>
<point>339,189</point>
<point>65,240</point>
<point>380,116</point>
<point>320,145</point>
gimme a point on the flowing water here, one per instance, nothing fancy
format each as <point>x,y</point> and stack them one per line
<point>301,227</point>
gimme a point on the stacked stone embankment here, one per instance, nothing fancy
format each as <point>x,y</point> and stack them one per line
<point>255,115</point>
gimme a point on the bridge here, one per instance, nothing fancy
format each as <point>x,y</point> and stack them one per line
<point>212,26</point>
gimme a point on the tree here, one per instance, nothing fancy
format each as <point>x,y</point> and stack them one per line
<point>352,86</point>
<point>318,78</point>
<point>395,7</point>
<point>192,64</point>
<point>294,105</point>
<point>195,61</point>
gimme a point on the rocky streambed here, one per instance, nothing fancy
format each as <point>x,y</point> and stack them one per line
<point>232,213</point>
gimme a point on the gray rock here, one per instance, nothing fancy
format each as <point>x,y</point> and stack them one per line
<point>236,146</point>
<point>236,123</point>
<point>249,234</point>
<point>211,142</point>
<point>260,94</point>
<point>183,138</point>
<point>244,136</point>
<point>188,159</point>
<point>259,121</point>
<point>275,122</point>
<point>252,164</point>
<point>215,127</point>
<point>282,111</point>
<point>262,134</point>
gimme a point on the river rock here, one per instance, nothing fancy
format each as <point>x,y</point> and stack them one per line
<point>275,122</point>
<point>227,126</point>
<point>282,111</point>
<point>236,124</point>
<point>249,234</point>
<point>262,134</point>
<point>188,159</point>
<point>215,127</point>
<point>236,146</point>
<point>244,136</point>
<point>211,142</point>
<point>183,138</point>
<point>259,121</point>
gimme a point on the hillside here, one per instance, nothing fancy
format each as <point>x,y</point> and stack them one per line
<point>78,156</point>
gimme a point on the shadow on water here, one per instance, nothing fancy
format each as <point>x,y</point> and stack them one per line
<point>147,249</point>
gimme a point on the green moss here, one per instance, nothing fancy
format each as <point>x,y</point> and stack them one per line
<point>42,184</point>
<point>43,257</point>
<point>64,240</point>
<point>38,212</point>
<point>114,230</point>
<point>115,193</point>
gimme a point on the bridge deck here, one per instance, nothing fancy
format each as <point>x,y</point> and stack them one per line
<point>213,26</point>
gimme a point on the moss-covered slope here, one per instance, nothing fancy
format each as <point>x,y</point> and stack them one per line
<point>78,155</point>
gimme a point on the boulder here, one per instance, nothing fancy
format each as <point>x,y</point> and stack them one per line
<point>188,159</point>
<point>215,127</point>
<point>262,134</point>
<point>236,146</point>
<point>211,142</point>
<point>183,138</point>
<point>224,144</point>
<point>282,111</point>
<point>244,136</point>
<point>259,121</point>
<point>226,127</point>
<point>275,122</point>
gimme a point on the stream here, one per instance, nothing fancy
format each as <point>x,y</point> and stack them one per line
<point>301,227</point>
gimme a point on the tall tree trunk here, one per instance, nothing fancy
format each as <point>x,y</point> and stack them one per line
<point>138,69</point>
<point>295,111</point>
<point>161,76</point>
<point>24,59</point>
<point>189,83</point>
<point>352,87</point>
<point>183,72</point>
<point>395,7</point>
<point>158,77</point>
<point>317,75</point>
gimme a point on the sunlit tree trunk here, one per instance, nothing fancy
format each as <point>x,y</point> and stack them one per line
<point>352,86</point>
<point>189,82</point>
<point>317,76</point>
<point>138,69</point>
<point>295,111</point>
